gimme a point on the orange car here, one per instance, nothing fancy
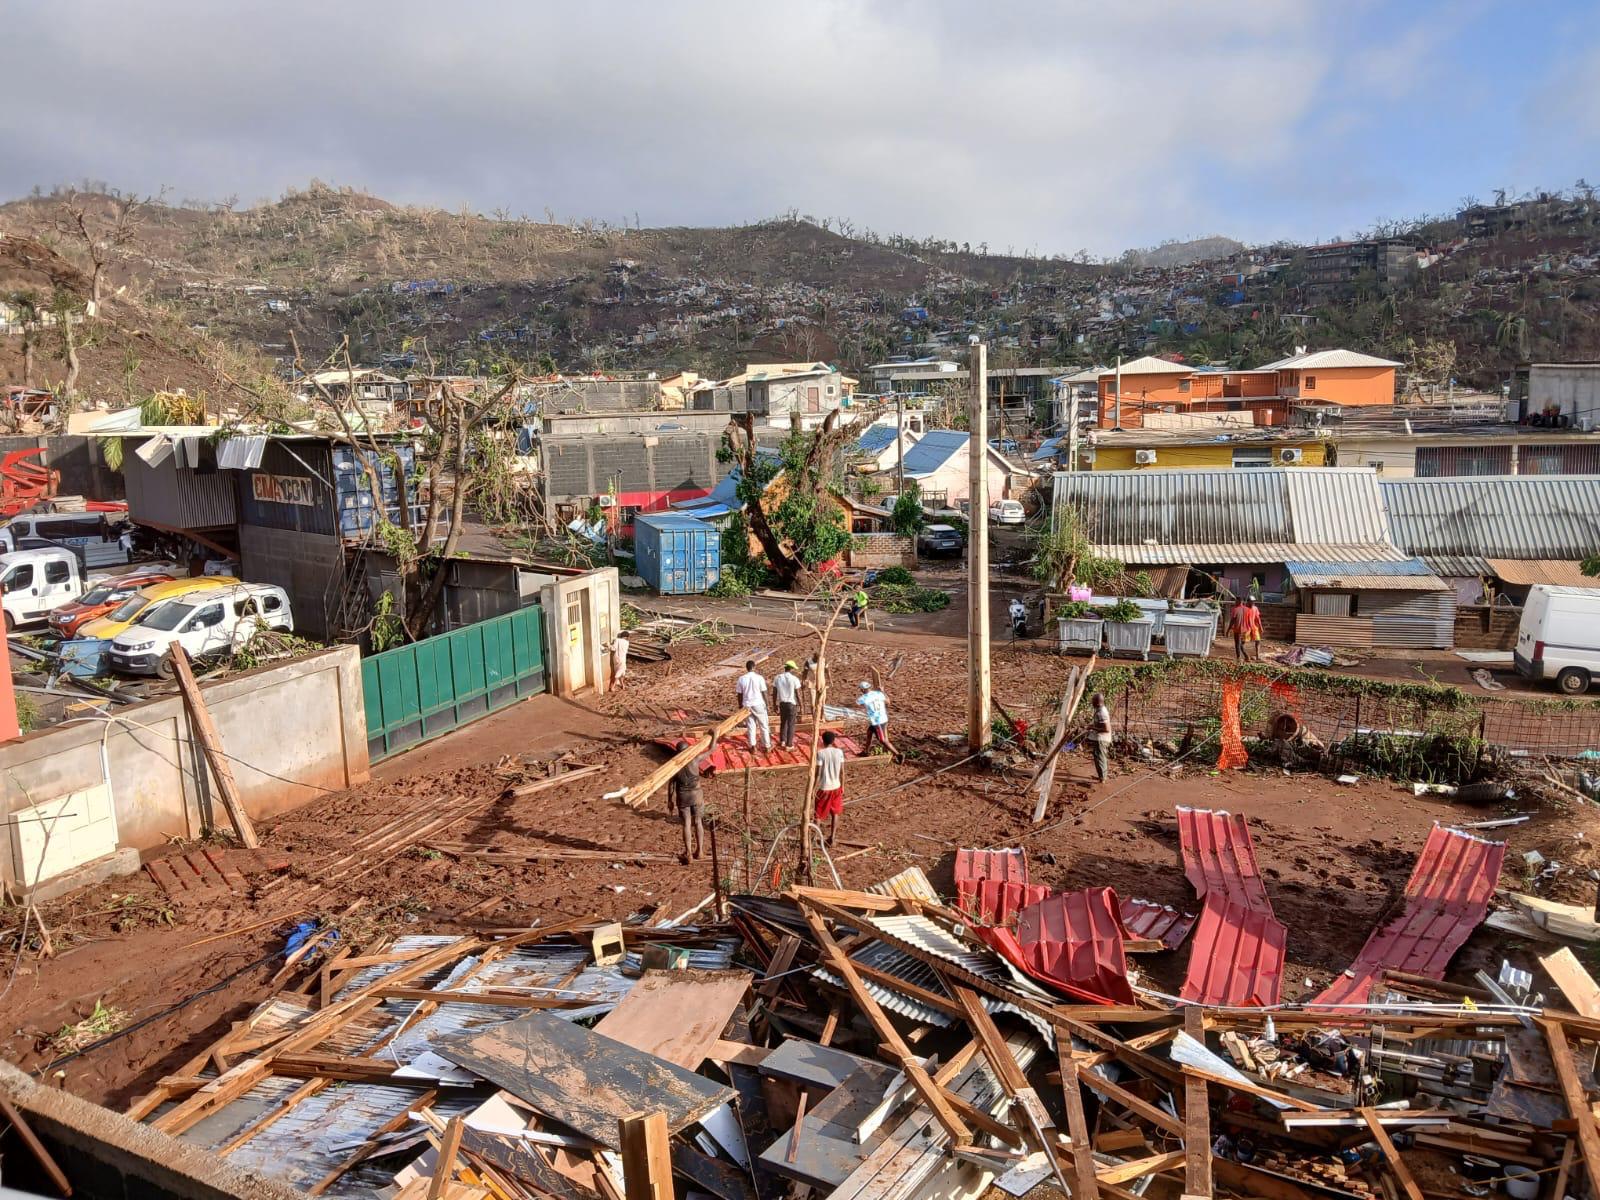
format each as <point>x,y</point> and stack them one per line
<point>101,599</point>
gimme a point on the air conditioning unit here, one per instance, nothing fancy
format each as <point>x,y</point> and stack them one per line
<point>1144,458</point>
<point>606,501</point>
<point>1290,456</point>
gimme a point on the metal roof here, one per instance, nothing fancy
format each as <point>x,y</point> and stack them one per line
<point>1554,571</point>
<point>1237,954</point>
<point>1222,554</point>
<point>1406,575</point>
<point>1156,922</point>
<point>875,439</point>
<point>1457,566</point>
<point>1075,939</point>
<point>1447,897</point>
<point>1203,511</point>
<point>1327,360</point>
<point>992,886</point>
<point>1148,365</point>
<point>934,449</point>
<point>1496,516</point>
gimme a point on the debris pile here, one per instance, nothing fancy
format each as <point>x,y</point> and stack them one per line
<point>889,1045</point>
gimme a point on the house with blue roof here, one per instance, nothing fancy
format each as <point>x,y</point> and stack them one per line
<point>876,449</point>
<point>940,463</point>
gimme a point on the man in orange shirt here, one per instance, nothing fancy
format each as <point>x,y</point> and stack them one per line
<point>1246,624</point>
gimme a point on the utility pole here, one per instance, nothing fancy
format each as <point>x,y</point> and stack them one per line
<point>1072,425</point>
<point>899,445</point>
<point>1116,420</point>
<point>978,731</point>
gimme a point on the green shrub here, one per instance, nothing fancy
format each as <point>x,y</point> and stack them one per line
<point>900,598</point>
<point>729,586</point>
<point>1074,608</point>
<point>1123,610</point>
<point>895,576</point>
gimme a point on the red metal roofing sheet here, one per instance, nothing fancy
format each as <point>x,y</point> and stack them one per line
<point>1156,922</point>
<point>1447,897</point>
<point>733,752</point>
<point>1236,956</point>
<point>992,886</point>
<point>1072,942</point>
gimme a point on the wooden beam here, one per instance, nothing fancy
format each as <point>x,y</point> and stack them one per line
<point>1197,1116</point>
<point>1077,1125</point>
<point>933,1000</point>
<point>449,1147</point>
<point>646,1156</point>
<point>932,1094</point>
<point>211,744</point>
<point>1140,1167</point>
<point>1137,1105</point>
<point>1386,1144</point>
<point>36,1147</point>
<point>1564,1171</point>
<point>1576,984</point>
<point>656,780</point>
<point>1044,776</point>
<point>1577,1101</point>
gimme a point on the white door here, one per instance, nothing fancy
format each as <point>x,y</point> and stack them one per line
<point>60,584</point>
<point>21,585</point>
<point>205,632</point>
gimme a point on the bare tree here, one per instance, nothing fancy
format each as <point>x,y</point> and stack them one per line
<point>102,237</point>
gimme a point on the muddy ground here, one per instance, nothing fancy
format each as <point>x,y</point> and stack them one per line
<point>1336,857</point>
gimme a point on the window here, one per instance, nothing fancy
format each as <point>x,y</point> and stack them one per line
<point>1311,383</point>
<point>208,616</point>
<point>57,572</point>
<point>165,616</point>
<point>271,603</point>
<point>1376,464</point>
<point>1183,385</point>
<point>1254,457</point>
<point>19,578</point>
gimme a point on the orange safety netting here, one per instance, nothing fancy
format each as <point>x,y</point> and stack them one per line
<point>1233,752</point>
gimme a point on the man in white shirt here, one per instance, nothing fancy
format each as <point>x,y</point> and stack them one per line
<point>786,690</point>
<point>619,658</point>
<point>877,706</point>
<point>830,784</point>
<point>1100,735</point>
<point>752,690</point>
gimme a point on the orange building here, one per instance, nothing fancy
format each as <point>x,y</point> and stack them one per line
<point>1149,384</point>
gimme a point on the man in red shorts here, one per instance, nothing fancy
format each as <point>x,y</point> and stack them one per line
<point>830,784</point>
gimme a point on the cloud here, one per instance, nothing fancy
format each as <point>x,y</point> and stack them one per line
<point>1030,124</point>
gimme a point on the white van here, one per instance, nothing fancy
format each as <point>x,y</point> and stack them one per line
<point>203,623</point>
<point>1559,637</point>
<point>35,581</point>
<point>90,534</point>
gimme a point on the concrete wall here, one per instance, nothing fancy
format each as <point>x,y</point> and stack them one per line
<point>1572,388</point>
<point>1479,627</point>
<point>581,616</point>
<point>293,731</point>
<point>878,550</point>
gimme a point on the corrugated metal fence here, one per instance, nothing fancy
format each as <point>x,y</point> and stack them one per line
<point>416,692</point>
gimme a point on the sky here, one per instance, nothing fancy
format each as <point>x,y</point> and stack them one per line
<point>1025,125</point>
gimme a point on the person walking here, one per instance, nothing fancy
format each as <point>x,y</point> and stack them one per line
<point>1246,625</point>
<point>830,785</point>
<point>685,797</point>
<point>619,658</point>
<point>1100,735</point>
<point>858,607</point>
<point>752,691</point>
<point>808,686</point>
<point>786,691</point>
<point>877,706</point>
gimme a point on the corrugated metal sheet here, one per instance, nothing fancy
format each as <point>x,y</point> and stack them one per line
<point>1528,571</point>
<point>992,886</point>
<point>1331,604</point>
<point>1227,507</point>
<point>1230,553</point>
<point>1237,952</point>
<point>1409,574</point>
<point>1456,566</point>
<point>169,496</point>
<point>1496,516</point>
<point>910,884</point>
<point>1075,939</point>
<point>1310,629</point>
<point>883,957</point>
<point>240,452</point>
<point>1447,897</point>
<point>1426,620</point>
<point>1156,922</point>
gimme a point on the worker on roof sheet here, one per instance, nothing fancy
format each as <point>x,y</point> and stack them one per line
<point>877,706</point>
<point>685,797</point>
<point>830,784</point>
<point>786,690</point>
<point>752,691</point>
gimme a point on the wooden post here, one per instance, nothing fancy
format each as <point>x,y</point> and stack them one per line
<point>821,703</point>
<point>211,743</point>
<point>979,733</point>
<point>1197,1118</point>
<point>899,446</point>
<point>717,905</point>
<point>1045,776</point>
<point>646,1156</point>
<point>1396,1163</point>
<point>449,1144</point>
<point>1077,1124</point>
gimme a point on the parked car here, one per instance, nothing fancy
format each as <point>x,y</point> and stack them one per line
<point>35,581</point>
<point>939,539</point>
<point>1007,512</point>
<point>101,599</point>
<point>1004,445</point>
<point>145,599</point>
<point>1559,637</point>
<point>91,534</point>
<point>204,623</point>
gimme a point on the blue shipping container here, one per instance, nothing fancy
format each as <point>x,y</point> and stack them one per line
<point>676,554</point>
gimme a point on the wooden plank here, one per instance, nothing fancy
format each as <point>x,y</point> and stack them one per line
<point>1197,1116</point>
<point>42,1156</point>
<point>1012,1080</point>
<point>1077,1124</point>
<point>1576,984</point>
<point>449,1145</point>
<point>1577,1102</point>
<point>676,1015</point>
<point>782,958</point>
<point>921,995</point>
<point>397,1122</point>
<point>723,1051</point>
<point>1564,1171</point>
<point>1137,1105</point>
<point>211,743</point>
<point>1044,778</point>
<point>657,779</point>
<point>580,1077</point>
<point>1140,1167</point>
<point>811,1065</point>
<point>932,1094</point>
<point>646,1156</point>
<point>722,1180</point>
<point>1386,1144</point>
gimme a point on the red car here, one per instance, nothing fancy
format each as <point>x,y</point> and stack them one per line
<point>101,599</point>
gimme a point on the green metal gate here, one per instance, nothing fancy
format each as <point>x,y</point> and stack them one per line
<point>417,692</point>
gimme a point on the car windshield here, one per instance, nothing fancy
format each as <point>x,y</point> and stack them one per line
<point>166,616</point>
<point>128,609</point>
<point>97,595</point>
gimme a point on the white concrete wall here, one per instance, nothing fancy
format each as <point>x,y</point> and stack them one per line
<point>293,731</point>
<point>599,605</point>
<point>1573,388</point>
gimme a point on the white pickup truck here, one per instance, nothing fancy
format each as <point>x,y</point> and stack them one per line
<point>32,582</point>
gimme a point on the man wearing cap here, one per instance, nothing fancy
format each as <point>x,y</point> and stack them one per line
<point>786,691</point>
<point>685,798</point>
<point>877,706</point>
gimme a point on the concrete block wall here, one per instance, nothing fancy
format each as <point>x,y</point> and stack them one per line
<point>869,551</point>
<point>294,731</point>
<point>1277,622</point>
<point>1481,627</point>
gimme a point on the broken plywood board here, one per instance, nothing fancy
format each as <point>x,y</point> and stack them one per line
<point>676,1015</point>
<point>829,1148</point>
<point>1576,984</point>
<point>812,1065</point>
<point>1575,921</point>
<point>582,1078</point>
